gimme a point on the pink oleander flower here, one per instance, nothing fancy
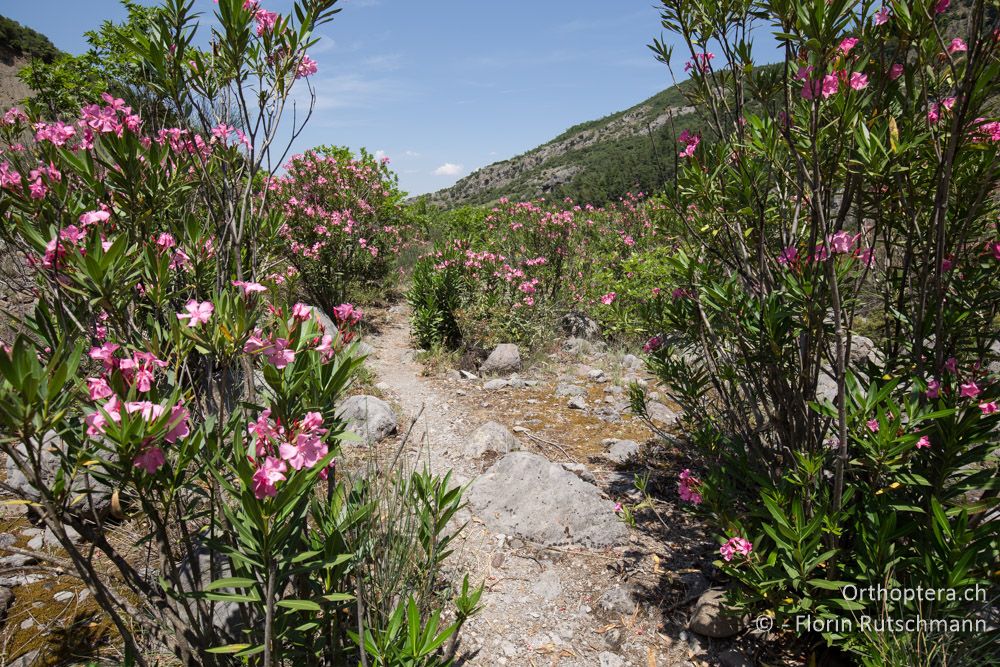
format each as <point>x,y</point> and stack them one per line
<point>150,460</point>
<point>177,424</point>
<point>923,442</point>
<point>165,241</point>
<point>687,487</point>
<point>270,472</point>
<point>346,313</point>
<point>307,67</point>
<point>99,389</point>
<point>842,242</point>
<point>995,247</point>
<point>847,44</point>
<point>858,81</point>
<point>951,365</point>
<point>882,16</point>
<point>934,113</point>
<point>690,141</point>
<point>147,409</point>
<point>305,452</point>
<point>96,420</point>
<point>969,390</point>
<point>872,425</point>
<point>608,298</point>
<point>895,71</point>
<point>278,354</point>
<point>255,343</point>
<point>301,312</point>
<point>265,21</point>
<point>93,217</point>
<point>830,85</point>
<point>733,546</point>
<point>788,256</point>
<point>933,388</point>
<point>249,288</point>
<point>958,45</point>
<point>179,259</point>
<point>941,6</point>
<point>989,408</point>
<point>653,344</point>
<point>197,313</point>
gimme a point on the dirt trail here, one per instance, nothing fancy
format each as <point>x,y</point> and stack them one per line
<point>543,606</point>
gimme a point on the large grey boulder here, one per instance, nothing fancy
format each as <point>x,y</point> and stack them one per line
<point>527,495</point>
<point>505,358</point>
<point>87,488</point>
<point>369,417</point>
<point>712,618</point>
<point>491,438</point>
<point>196,572</point>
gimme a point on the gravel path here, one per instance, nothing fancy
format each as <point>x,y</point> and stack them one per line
<point>543,606</point>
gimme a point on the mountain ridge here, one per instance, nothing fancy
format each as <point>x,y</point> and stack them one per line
<point>594,161</point>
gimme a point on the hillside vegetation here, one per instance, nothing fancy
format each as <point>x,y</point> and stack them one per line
<point>597,161</point>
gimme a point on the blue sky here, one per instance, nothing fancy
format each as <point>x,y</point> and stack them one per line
<point>445,86</point>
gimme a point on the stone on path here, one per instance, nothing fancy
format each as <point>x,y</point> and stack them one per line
<point>496,385</point>
<point>527,495</point>
<point>370,417</point>
<point>491,438</point>
<point>621,451</point>
<point>505,358</point>
<point>712,618</point>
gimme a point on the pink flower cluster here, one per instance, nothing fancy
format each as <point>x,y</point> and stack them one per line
<point>690,142</point>
<point>135,371</point>
<point>277,449</point>
<point>688,487</point>
<point>735,546</point>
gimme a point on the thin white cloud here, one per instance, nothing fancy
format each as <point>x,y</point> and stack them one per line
<point>409,153</point>
<point>387,62</point>
<point>448,169</point>
<point>379,154</point>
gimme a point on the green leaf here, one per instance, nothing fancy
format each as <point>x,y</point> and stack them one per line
<point>300,605</point>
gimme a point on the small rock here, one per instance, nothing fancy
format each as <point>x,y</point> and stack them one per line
<point>596,374</point>
<point>6,597</point>
<point>567,389</point>
<point>491,438</point>
<point>51,540</point>
<point>577,403</point>
<point>579,325</point>
<point>496,385</point>
<point>617,599</point>
<point>26,660</point>
<point>369,417</point>
<point>7,540</point>
<point>16,560</point>
<point>27,624</point>
<point>577,346</point>
<point>452,374</point>
<point>548,585</point>
<point>658,412</point>
<point>36,543</point>
<point>505,358</point>
<point>64,596</point>
<point>631,362</point>
<point>608,659</point>
<point>622,450</point>
<point>469,376</point>
<point>711,617</point>
<point>732,658</point>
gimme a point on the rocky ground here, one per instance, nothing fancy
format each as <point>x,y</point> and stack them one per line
<point>547,449</point>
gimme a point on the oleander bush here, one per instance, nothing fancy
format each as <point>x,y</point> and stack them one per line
<point>859,183</point>
<point>344,222</point>
<point>508,274</point>
<point>168,366</point>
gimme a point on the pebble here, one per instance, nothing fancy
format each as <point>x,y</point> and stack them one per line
<point>64,596</point>
<point>27,624</point>
<point>577,403</point>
